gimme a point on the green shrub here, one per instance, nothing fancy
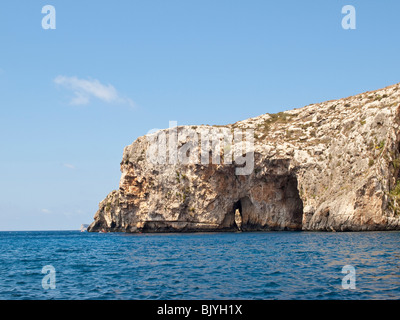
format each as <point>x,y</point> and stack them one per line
<point>380,145</point>
<point>396,163</point>
<point>108,206</point>
<point>371,162</point>
<point>396,191</point>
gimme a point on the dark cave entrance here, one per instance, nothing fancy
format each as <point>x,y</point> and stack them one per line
<point>280,209</point>
<point>272,204</point>
<point>238,205</point>
<point>243,210</point>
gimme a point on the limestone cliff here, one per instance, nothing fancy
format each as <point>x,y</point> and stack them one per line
<point>327,166</point>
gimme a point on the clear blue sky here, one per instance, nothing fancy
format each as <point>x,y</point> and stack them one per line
<point>72,98</point>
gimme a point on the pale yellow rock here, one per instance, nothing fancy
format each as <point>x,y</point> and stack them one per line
<point>327,166</point>
<point>238,219</point>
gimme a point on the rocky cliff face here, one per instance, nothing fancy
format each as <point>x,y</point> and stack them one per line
<point>331,166</point>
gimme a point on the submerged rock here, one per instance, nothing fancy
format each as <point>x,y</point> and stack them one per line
<point>332,166</point>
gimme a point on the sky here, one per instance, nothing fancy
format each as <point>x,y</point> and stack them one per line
<point>73,97</point>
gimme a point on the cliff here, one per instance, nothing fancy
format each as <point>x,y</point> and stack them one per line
<point>331,166</point>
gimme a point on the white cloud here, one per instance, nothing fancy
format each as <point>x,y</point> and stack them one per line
<point>69,166</point>
<point>46,211</point>
<point>84,90</point>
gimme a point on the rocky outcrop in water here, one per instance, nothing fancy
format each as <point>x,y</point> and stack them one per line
<point>332,166</point>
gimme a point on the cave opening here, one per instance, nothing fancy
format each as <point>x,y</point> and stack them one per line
<point>273,205</point>
<point>243,214</point>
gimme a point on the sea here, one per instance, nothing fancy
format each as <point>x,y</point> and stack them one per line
<point>73,265</point>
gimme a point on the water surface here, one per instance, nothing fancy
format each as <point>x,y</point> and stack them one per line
<point>265,265</point>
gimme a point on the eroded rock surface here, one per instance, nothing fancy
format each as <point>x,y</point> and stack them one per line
<point>327,166</point>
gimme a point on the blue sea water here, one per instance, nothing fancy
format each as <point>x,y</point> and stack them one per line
<point>264,265</point>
